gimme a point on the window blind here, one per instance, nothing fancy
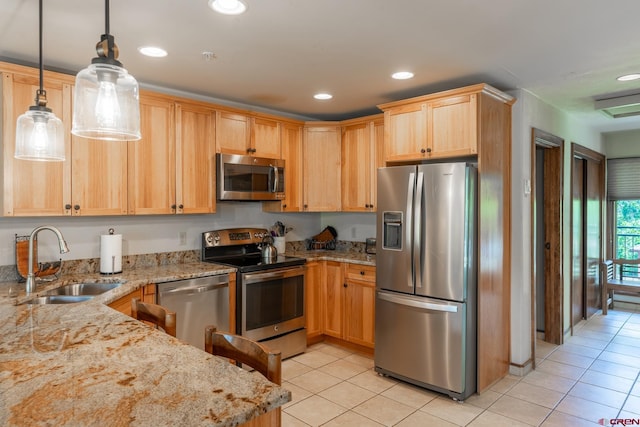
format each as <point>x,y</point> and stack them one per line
<point>623,178</point>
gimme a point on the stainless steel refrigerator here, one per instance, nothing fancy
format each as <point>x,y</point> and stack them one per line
<point>425,330</point>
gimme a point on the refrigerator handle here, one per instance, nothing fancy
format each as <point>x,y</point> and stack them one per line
<point>417,231</point>
<point>417,304</point>
<point>409,222</point>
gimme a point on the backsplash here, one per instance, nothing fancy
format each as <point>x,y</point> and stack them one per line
<point>8,273</point>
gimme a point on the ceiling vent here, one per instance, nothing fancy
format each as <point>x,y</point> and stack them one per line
<point>619,106</point>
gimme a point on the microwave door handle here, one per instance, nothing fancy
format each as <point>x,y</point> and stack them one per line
<point>276,179</point>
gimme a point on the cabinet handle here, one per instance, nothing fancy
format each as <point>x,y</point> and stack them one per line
<point>181,206</point>
<point>362,273</point>
<point>284,206</point>
<point>344,285</point>
<point>67,206</point>
<point>428,150</point>
<point>173,207</point>
<point>76,207</point>
<point>423,151</point>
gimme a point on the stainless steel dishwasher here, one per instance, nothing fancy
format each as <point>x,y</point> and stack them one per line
<point>197,302</point>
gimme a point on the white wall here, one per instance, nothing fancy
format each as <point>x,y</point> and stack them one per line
<point>528,112</point>
<point>354,227</point>
<point>622,144</point>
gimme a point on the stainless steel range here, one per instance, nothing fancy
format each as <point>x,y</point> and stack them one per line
<point>269,294</point>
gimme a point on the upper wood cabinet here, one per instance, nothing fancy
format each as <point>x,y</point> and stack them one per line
<point>152,161</point>
<point>361,145</point>
<point>265,138</point>
<point>440,125</point>
<point>238,133</point>
<point>195,159</point>
<point>34,188</point>
<point>322,167</point>
<point>98,177</point>
<point>292,156</point>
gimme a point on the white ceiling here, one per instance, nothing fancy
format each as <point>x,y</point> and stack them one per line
<point>280,52</point>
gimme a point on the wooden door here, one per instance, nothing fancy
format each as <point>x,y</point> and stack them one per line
<point>232,133</point>
<point>594,199</point>
<point>265,138</point>
<point>452,126</point>
<point>333,299</point>
<point>357,158</point>
<point>577,241</point>
<point>34,188</point>
<point>321,172</point>
<point>406,133</point>
<point>195,159</point>
<point>152,160</point>
<point>99,177</point>
<point>313,299</point>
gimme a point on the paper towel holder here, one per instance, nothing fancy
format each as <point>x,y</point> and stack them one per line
<point>113,261</point>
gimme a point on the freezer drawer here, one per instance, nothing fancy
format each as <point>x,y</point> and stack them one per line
<point>427,342</point>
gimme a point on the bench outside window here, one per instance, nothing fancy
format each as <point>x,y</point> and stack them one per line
<point>619,275</point>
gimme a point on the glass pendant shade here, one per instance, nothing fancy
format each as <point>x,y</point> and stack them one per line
<point>39,136</point>
<point>106,103</point>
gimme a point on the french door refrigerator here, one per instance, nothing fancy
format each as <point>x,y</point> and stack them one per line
<point>425,326</point>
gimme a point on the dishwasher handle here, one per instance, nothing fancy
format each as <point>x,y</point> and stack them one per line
<point>178,290</point>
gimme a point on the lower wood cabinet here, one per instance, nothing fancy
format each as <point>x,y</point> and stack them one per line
<point>346,303</point>
<point>145,293</point>
<point>313,300</point>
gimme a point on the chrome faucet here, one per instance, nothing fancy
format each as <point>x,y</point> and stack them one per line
<point>31,279</point>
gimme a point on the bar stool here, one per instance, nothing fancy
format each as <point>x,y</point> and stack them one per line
<point>156,314</point>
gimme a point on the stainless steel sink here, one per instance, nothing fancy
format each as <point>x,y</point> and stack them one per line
<point>59,299</point>
<point>83,289</point>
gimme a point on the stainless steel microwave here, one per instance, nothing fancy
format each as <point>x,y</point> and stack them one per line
<point>249,178</point>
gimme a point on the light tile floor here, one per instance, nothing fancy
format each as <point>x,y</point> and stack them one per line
<point>593,376</point>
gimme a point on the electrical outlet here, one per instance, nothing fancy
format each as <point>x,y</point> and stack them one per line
<point>183,238</point>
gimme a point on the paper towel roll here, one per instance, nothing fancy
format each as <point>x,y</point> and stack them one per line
<point>111,253</point>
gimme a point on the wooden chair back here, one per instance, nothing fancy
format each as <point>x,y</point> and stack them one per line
<point>156,314</point>
<point>241,349</point>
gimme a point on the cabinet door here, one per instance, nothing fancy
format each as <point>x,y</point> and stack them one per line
<point>34,188</point>
<point>152,171</point>
<point>333,299</point>
<point>321,172</point>
<point>406,133</point>
<point>357,168</point>
<point>232,133</point>
<point>265,138</point>
<point>99,177</point>
<point>378,155</point>
<point>195,159</point>
<point>292,155</point>
<point>360,312</point>
<point>313,299</point>
<point>123,304</point>
<point>453,126</point>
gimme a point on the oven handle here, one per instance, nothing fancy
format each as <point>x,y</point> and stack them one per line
<point>249,278</point>
<point>192,289</point>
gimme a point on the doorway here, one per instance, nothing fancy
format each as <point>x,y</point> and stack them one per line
<point>587,202</point>
<point>546,236</point>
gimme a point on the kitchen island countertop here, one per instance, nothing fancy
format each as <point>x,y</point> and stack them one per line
<point>87,364</point>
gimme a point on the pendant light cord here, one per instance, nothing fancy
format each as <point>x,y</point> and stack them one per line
<point>40,35</point>
<point>106,17</point>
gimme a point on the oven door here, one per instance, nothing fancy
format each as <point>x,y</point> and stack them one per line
<point>272,302</point>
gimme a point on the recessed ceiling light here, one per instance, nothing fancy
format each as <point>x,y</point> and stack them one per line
<point>628,77</point>
<point>323,96</point>
<point>155,52</point>
<point>402,75</point>
<point>228,7</point>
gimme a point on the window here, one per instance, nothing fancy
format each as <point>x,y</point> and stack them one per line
<point>626,230</point>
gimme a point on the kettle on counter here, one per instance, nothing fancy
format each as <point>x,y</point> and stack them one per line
<point>269,252</point>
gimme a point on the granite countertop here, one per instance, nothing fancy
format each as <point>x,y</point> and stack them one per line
<point>352,257</point>
<point>87,364</point>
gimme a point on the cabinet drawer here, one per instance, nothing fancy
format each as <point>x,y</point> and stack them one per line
<point>365,273</point>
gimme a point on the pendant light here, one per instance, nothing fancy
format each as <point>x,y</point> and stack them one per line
<point>106,101</point>
<point>39,133</point>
